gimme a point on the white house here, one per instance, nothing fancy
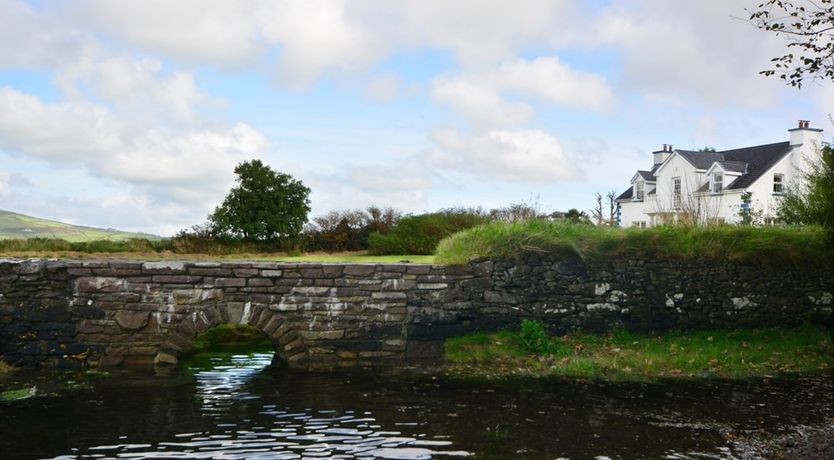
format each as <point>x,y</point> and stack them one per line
<point>709,186</point>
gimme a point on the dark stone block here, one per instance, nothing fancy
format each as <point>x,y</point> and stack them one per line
<point>424,349</point>
<point>355,345</point>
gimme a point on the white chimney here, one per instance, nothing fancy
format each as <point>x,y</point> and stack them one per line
<point>661,155</point>
<point>806,143</point>
<point>805,135</point>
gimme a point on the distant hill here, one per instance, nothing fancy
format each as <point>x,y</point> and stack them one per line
<point>13,225</point>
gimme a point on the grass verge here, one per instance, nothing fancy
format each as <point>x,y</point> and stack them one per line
<point>764,245</point>
<point>623,355</point>
<point>347,257</point>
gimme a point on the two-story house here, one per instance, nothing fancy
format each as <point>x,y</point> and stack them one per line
<point>710,186</point>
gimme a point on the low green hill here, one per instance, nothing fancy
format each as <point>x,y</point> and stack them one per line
<point>13,225</point>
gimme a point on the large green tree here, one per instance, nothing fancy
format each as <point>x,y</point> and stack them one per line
<point>264,205</point>
<point>812,201</point>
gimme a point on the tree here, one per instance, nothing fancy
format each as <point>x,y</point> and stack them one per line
<point>811,202</point>
<point>265,205</point>
<point>809,28</point>
<point>601,215</point>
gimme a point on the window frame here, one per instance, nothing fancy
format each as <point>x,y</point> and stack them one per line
<point>639,190</point>
<point>780,183</point>
<point>677,192</point>
<point>716,183</point>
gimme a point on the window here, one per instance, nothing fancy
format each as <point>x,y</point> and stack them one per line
<point>639,224</point>
<point>676,192</point>
<point>717,182</point>
<point>638,191</point>
<point>778,184</point>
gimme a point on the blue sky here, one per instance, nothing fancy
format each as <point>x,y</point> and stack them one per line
<point>133,114</point>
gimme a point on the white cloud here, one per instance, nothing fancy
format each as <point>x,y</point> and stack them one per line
<point>482,97</point>
<point>696,49</point>
<point>479,102</point>
<point>317,36</point>
<point>513,156</point>
<point>188,166</point>
<point>221,33</point>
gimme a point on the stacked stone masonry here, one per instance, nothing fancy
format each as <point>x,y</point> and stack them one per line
<point>107,313</point>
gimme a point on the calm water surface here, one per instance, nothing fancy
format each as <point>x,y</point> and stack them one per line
<point>236,407</point>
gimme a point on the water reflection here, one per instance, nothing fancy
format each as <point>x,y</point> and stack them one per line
<point>237,408</point>
<point>274,431</point>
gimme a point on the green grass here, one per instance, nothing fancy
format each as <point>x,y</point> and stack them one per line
<point>19,226</point>
<point>765,245</point>
<point>358,257</point>
<point>627,356</point>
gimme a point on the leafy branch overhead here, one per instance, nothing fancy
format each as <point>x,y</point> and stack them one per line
<point>809,28</point>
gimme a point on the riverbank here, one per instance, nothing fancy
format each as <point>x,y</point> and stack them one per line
<point>620,355</point>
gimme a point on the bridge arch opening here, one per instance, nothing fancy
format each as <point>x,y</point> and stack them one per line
<point>288,345</point>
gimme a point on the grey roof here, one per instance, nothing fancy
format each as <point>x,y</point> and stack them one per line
<point>759,159</point>
<point>647,176</point>
<point>701,160</point>
<point>627,194</point>
<point>752,162</point>
<point>734,166</point>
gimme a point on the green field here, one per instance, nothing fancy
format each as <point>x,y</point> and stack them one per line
<point>13,225</point>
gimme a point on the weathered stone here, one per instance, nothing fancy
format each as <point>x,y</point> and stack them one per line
<point>163,266</point>
<point>261,282</point>
<point>100,284</point>
<point>165,359</point>
<point>230,282</point>
<point>431,286</point>
<point>322,335</point>
<point>389,295</point>
<point>359,270</point>
<point>132,320</point>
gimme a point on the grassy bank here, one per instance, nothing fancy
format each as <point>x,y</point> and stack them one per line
<point>346,257</point>
<point>626,356</point>
<point>770,245</point>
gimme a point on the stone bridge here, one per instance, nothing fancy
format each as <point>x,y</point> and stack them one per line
<point>108,313</point>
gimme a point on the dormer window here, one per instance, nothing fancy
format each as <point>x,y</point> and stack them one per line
<point>638,190</point>
<point>717,183</point>
<point>778,184</point>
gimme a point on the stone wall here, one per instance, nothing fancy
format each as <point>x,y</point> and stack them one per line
<point>73,313</point>
<point>637,295</point>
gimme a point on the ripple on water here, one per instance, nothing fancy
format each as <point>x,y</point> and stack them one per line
<point>278,433</point>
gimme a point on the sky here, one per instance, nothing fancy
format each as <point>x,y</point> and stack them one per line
<point>133,115</point>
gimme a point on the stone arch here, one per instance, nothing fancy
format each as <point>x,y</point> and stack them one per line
<point>288,344</point>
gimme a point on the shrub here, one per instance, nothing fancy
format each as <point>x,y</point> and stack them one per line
<point>535,338</point>
<point>421,234</point>
<point>348,230</point>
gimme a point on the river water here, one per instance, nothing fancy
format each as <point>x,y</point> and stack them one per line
<point>235,406</point>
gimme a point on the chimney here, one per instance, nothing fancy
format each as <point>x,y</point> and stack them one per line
<point>804,134</point>
<point>661,155</point>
